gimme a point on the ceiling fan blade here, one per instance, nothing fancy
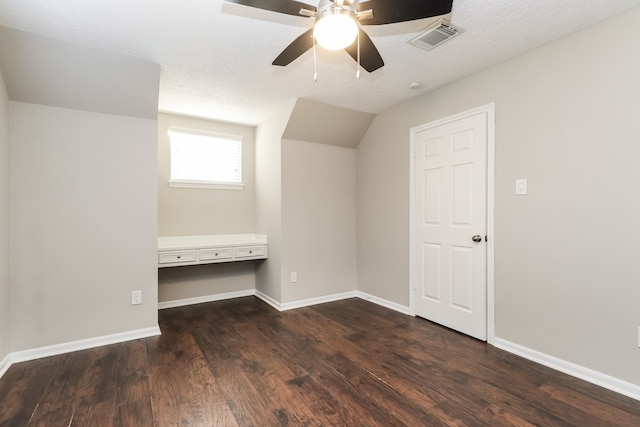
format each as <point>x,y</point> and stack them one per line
<point>370,58</point>
<point>299,46</point>
<point>288,7</point>
<point>390,11</point>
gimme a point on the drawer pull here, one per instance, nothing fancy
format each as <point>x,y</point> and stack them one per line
<point>216,254</point>
<point>178,256</point>
<point>250,252</point>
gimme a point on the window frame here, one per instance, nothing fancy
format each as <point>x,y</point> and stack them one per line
<point>195,183</point>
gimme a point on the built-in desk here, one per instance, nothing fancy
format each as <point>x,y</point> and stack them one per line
<point>193,250</point>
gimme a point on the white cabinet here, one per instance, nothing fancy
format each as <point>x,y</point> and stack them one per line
<point>170,257</point>
<point>192,250</point>
<point>247,252</point>
<point>220,254</point>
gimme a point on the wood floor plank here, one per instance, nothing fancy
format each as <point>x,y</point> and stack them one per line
<point>349,363</point>
<point>137,413</point>
<point>365,371</point>
<point>328,409</point>
<point>133,373</point>
<point>467,382</point>
<point>94,415</point>
<point>598,394</point>
<point>58,403</point>
<point>234,396</point>
<point>584,409</point>
<point>184,390</point>
<point>315,359</point>
<point>99,379</point>
<point>19,396</point>
<point>362,345</point>
<point>519,414</point>
<point>273,374</point>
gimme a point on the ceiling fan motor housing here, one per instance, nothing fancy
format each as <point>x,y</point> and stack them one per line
<point>338,7</point>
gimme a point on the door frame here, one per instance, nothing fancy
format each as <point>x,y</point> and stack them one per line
<point>489,110</point>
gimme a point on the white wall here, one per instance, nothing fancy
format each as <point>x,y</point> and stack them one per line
<point>45,71</point>
<point>193,211</point>
<point>305,200</point>
<point>4,221</point>
<point>203,281</point>
<point>319,220</point>
<point>84,209</point>
<point>269,199</point>
<point>566,279</point>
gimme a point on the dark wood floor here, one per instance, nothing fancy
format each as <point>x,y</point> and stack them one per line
<point>346,363</point>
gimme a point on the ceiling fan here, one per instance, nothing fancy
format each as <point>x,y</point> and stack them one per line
<point>338,24</point>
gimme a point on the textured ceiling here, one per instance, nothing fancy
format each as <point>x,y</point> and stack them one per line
<point>216,57</point>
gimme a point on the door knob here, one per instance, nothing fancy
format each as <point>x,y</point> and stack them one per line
<point>477,238</point>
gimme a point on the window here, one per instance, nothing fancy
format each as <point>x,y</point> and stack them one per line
<point>205,160</point>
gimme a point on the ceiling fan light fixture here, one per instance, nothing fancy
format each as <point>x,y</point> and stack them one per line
<point>335,29</point>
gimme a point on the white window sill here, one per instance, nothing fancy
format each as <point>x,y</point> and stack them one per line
<point>206,184</point>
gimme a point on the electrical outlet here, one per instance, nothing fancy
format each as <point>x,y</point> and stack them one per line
<point>136,297</point>
<point>521,186</point>
<point>293,277</point>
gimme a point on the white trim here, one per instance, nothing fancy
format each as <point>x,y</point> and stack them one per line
<point>68,347</point>
<point>489,110</point>
<point>206,298</point>
<point>206,184</point>
<point>318,300</point>
<point>330,298</point>
<point>586,374</point>
<point>384,303</point>
<point>266,298</point>
<point>412,219</point>
<point>203,132</point>
<point>5,364</point>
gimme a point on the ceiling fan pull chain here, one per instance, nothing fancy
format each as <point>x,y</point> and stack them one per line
<point>315,62</point>
<point>358,41</point>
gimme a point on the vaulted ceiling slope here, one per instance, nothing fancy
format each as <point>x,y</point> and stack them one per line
<point>314,121</point>
<point>41,70</point>
<point>216,56</point>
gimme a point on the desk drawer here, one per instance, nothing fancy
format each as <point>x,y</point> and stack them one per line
<point>215,253</point>
<point>250,251</point>
<point>172,257</point>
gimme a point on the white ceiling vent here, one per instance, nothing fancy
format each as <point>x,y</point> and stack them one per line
<point>434,35</point>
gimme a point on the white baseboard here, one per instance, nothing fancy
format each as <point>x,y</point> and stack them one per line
<point>266,298</point>
<point>5,364</point>
<point>305,302</point>
<point>384,303</point>
<point>68,347</point>
<point>330,298</point>
<point>318,300</point>
<point>586,374</point>
<point>205,298</point>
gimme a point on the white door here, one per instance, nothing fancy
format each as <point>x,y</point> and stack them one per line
<point>449,223</point>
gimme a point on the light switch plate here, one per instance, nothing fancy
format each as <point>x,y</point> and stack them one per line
<point>136,297</point>
<point>521,186</point>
